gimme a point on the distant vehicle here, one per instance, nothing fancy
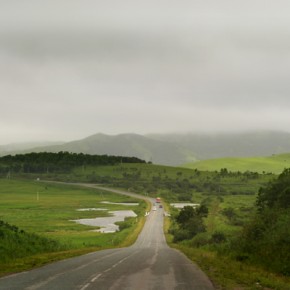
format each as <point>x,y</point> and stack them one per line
<point>158,199</point>
<point>160,206</point>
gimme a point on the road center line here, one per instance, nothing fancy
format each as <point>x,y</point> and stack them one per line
<point>85,287</point>
<point>96,278</point>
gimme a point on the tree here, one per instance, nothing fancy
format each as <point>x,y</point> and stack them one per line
<point>224,172</point>
<point>202,210</point>
<point>185,214</point>
<point>190,222</point>
<point>265,239</point>
<point>276,193</point>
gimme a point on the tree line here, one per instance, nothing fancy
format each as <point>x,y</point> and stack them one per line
<point>61,162</point>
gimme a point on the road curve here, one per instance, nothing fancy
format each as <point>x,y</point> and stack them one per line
<point>149,264</point>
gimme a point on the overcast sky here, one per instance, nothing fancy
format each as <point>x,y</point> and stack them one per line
<point>70,69</point>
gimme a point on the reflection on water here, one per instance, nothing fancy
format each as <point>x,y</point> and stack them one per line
<point>121,203</point>
<point>107,224</point>
<point>91,209</point>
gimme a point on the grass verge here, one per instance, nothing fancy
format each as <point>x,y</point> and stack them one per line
<point>226,273</point>
<point>229,274</point>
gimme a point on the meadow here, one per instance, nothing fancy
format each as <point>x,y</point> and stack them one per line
<point>272,164</point>
<point>47,210</point>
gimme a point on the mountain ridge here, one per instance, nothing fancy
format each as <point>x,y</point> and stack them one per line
<point>150,150</point>
<point>174,149</point>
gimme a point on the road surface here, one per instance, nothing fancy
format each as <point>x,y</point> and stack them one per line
<point>149,264</point>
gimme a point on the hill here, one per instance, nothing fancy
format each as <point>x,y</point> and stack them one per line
<point>132,145</point>
<point>246,144</point>
<point>17,147</point>
<point>274,164</point>
<point>174,149</point>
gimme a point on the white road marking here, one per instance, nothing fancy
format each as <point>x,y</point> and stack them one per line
<point>85,287</point>
<point>96,278</point>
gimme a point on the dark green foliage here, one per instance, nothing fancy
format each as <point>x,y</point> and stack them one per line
<point>202,210</point>
<point>127,223</point>
<point>200,240</point>
<point>16,243</point>
<point>277,193</point>
<point>46,162</point>
<point>266,240</point>
<point>229,212</point>
<point>184,196</point>
<point>223,172</point>
<point>185,215</point>
<point>190,222</point>
<point>218,237</point>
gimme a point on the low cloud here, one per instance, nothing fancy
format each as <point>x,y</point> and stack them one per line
<point>135,66</point>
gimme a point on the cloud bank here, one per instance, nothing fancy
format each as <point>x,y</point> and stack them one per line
<point>69,69</point>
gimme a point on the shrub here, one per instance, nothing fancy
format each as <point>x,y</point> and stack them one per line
<point>218,237</point>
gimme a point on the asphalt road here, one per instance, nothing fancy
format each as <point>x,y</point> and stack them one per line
<point>148,264</point>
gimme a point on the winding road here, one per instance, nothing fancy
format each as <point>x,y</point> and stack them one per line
<point>149,264</point>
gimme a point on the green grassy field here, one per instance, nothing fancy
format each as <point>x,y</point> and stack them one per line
<point>274,164</point>
<point>48,210</point>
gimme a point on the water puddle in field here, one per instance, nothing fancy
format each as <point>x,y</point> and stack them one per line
<point>108,202</point>
<point>121,203</point>
<point>107,224</point>
<point>91,209</point>
<point>183,204</point>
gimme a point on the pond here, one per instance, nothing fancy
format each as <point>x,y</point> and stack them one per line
<point>121,203</point>
<point>91,209</point>
<point>107,224</point>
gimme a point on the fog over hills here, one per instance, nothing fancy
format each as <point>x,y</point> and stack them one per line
<point>148,149</point>
<point>247,144</point>
<point>18,147</point>
<point>169,149</point>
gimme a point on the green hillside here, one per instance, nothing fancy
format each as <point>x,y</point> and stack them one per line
<point>274,164</point>
<point>132,145</point>
<point>16,243</point>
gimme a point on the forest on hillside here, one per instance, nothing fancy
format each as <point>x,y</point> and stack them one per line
<point>61,162</point>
